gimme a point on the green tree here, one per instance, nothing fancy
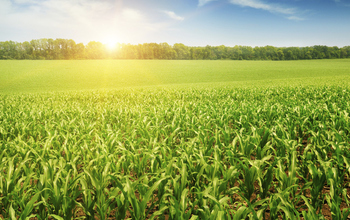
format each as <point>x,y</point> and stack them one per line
<point>248,52</point>
<point>95,50</point>
<point>182,52</point>
<point>280,54</point>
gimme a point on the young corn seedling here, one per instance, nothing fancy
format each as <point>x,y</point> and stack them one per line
<point>88,199</point>
<point>120,199</point>
<point>146,195</point>
<point>265,180</point>
<point>312,212</point>
<point>318,180</point>
<point>99,181</point>
<point>13,185</point>
<point>334,198</point>
<point>250,176</point>
<point>179,209</point>
<point>63,193</point>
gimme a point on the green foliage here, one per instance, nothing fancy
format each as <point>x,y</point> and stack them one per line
<point>49,49</point>
<point>176,153</point>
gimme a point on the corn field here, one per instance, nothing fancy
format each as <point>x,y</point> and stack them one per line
<point>171,153</point>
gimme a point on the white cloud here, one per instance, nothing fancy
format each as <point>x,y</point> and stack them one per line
<point>26,1</point>
<point>55,14</point>
<point>295,18</point>
<point>174,16</point>
<point>5,7</point>
<point>261,4</point>
<point>258,4</point>
<point>80,20</point>
<point>204,2</point>
<point>132,14</point>
<point>342,3</point>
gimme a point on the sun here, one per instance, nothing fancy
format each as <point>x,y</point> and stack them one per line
<point>111,44</point>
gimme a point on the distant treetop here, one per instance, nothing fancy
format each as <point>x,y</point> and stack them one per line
<point>49,49</point>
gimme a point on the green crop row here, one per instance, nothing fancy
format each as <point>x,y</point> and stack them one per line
<point>204,153</point>
<point>66,75</point>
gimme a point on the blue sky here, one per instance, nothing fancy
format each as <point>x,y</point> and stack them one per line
<point>192,22</point>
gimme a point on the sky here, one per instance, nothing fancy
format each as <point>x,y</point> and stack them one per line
<point>280,23</point>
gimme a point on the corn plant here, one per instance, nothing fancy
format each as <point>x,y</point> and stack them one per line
<point>176,153</point>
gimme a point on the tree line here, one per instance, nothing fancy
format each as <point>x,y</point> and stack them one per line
<point>49,49</point>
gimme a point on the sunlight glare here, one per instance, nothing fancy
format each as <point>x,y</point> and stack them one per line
<point>110,44</point>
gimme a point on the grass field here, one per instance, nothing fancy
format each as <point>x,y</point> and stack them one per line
<point>175,140</point>
<point>34,76</point>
